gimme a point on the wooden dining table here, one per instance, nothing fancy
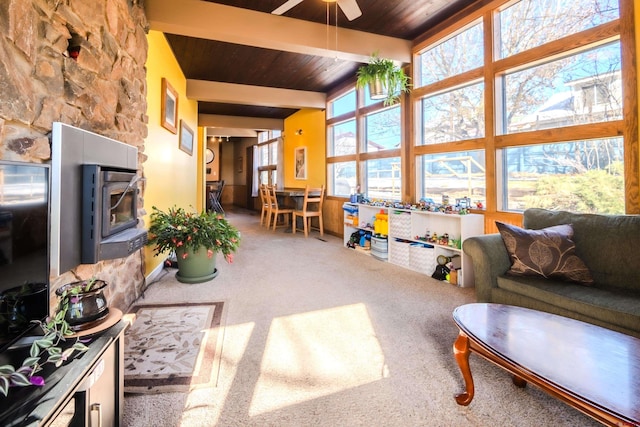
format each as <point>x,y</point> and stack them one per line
<point>296,195</point>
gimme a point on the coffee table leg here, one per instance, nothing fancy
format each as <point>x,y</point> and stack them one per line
<point>519,382</point>
<point>461,352</point>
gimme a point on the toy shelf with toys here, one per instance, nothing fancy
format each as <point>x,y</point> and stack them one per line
<point>418,238</point>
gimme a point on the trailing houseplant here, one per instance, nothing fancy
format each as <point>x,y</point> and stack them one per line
<point>47,350</point>
<point>385,79</point>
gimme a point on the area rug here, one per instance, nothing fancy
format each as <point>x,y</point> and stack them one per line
<point>172,348</point>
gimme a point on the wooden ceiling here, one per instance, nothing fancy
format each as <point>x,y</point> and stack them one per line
<point>207,51</point>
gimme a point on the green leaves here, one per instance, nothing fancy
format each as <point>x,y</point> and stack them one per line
<point>44,350</point>
<point>177,228</point>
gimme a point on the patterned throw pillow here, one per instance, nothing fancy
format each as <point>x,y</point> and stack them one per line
<point>548,252</point>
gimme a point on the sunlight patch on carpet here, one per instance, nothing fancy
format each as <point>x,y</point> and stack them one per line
<point>172,348</point>
<point>316,354</point>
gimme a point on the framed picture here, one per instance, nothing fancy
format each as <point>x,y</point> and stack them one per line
<point>169,107</point>
<point>186,138</point>
<point>301,163</point>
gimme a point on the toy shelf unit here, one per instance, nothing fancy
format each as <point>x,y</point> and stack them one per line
<point>416,238</point>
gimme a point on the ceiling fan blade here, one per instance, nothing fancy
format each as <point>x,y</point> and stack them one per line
<point>286,6</point>
<point>350,9</point>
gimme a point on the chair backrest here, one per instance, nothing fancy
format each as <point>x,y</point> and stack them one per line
<point>273,200</point>
<point>313,199</point>
<point>264,196</point>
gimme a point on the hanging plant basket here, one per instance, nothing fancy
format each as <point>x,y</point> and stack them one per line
<point>385,80</point>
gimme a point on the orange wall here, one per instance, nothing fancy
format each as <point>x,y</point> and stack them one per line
<point>172,176</point>
<point>312,123</point>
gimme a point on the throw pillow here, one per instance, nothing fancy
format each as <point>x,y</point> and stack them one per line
<point>549,252</point>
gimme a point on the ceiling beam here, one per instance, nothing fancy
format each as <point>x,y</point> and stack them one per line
<point>232,93</point>
<point>212,21</point>
<point>220,125</point>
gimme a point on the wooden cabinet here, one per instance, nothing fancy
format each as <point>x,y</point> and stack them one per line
<point>409,232</point>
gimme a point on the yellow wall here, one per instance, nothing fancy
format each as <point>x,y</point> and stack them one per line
<point>312,123</point>
<point>172,176</point>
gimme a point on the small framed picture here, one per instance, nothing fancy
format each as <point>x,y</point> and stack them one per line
<point>169,107</point>
<point>186,138</point>
<point>301,163</point>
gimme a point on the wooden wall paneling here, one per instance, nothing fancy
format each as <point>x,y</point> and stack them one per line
<point>630,91</point>
<point>333,216</point>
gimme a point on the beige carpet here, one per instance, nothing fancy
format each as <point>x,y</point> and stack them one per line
<point>172,347</point>
<point>319,335</point>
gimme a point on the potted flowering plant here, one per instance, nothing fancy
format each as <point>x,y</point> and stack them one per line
<point>49,349</point>
<point>195,238</point>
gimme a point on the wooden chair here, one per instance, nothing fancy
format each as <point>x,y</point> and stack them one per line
<point>265,199</point>
<point>277,210</point>
<point>311,207</point>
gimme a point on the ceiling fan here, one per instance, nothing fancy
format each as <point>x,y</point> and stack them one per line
<point>349,7</point>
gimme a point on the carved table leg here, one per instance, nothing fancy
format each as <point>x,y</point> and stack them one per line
<point>461,352</point>
<point>519,382</point>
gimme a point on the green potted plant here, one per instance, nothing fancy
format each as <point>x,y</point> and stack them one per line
<point>49,349</point>
<point>84,303</point>
<point>385,79</point>
<point>195,238</point>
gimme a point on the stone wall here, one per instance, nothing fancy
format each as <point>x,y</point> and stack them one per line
<point>79,62</point>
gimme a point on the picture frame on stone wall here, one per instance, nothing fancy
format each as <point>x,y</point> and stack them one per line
<point>186,138</point>
<point>169,107</point>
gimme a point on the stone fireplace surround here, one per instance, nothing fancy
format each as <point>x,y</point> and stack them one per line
<point>102,89</point>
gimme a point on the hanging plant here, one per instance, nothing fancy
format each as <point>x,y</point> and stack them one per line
<point>385,79</point>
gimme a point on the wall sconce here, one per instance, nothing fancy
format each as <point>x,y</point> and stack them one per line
<point>299,132</point>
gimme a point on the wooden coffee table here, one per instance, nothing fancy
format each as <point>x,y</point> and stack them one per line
<point>593,369</point>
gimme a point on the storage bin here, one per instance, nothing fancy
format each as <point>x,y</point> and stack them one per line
<point>399,252</point>
<point>379,247</point>
<point>422,258</point>
<point>400,225</point>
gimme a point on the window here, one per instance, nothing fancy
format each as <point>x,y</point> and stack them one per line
<point>579,176</point>
<point>453,116</point>
<point>531,23</point>
<point>547,114</point>
<point>363,149</point>
<point>268,157</point>
<point>342,139</point>
<point>456,175</point>
<point>342,178</point>
<point>581,88</point>
<point>383,179</point>
<point>342,105</point>
<point>460,53</point>
<point>383,130</point>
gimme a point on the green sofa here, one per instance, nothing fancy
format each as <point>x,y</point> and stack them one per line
<point>609,245</point>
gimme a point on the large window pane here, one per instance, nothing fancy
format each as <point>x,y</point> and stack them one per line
<point>579,176</point>
<point>383,179</point>
<point>583,88</point>
<point>531,23</point>
<point>342,105</point>
<point>263,151</point>
<point>342,139</point>
<point>456,55</point>
<point>455,175</point>
<point>453,116</point>
<point>341,179</point>
<point>273,153</point>
<point>383,130</point>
